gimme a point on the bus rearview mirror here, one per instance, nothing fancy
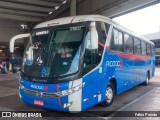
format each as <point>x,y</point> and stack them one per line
<point>94,36</point>
<point>13,39</point>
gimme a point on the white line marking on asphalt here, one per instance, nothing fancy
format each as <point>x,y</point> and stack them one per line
<point>135,100</point>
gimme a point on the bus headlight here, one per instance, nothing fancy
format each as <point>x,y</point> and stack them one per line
<point>21,86</point>
<point>64,92</point>
<point>70,91</point>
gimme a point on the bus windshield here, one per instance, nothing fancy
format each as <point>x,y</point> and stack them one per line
<point>53,52</point>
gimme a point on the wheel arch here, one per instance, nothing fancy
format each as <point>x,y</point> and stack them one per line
<point>149,74</point>
<point>114,82</point>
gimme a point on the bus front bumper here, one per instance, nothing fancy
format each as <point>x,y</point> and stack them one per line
<point>57,104</point>
<point>70,103</point>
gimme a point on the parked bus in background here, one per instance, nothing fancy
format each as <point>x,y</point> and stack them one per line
<point>74,63</point>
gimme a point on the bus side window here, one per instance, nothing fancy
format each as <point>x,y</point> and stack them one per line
<point>90,58</point>
<point>120,42</point>
<point>148,49</point>
<point>117,41</point>
<point>152,50</point>
<point>102,36</point>
<point>143,46</point>
<point>114,40</point>
<point>137,46</point>
<point>128,43</point>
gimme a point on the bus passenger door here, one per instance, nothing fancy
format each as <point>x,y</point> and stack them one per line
<point>92,76</point>
<point>92,79</point>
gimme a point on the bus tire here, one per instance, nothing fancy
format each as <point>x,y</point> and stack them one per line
<point>109,94</point>
<point>147,79</point>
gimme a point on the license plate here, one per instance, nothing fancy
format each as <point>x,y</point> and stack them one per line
<point>39,102</point>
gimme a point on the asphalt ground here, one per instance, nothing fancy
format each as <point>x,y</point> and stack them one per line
<point>134,102</point>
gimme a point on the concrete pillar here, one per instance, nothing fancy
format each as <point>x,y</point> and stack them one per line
<point>73,8</point>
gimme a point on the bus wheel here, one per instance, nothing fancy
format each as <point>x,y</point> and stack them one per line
<point>147,80</point>
<point>110,93</point>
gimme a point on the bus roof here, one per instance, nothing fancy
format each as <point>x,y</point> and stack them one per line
<point>73,19</point>
<point>83,18</point>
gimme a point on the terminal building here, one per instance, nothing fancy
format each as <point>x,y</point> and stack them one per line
<point>155,38</point>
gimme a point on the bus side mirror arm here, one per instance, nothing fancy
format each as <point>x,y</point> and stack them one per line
<point>13,39</point>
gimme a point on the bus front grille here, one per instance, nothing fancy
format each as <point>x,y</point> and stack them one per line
<point>41,94</point>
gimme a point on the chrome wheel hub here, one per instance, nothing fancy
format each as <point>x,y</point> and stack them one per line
<point>109,94</point>
<point>147,80</point>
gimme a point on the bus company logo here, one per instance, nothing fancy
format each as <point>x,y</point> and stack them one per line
<point>38,87</point>
<point>45,88</point>
<point>114,63</point>
<point>121,63</point>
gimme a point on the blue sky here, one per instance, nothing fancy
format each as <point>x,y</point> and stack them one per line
<point>144,21</point>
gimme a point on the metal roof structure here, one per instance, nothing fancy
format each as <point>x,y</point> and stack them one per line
<point>153,36</point>
<point>28,10</point>
<point>37,11</point>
